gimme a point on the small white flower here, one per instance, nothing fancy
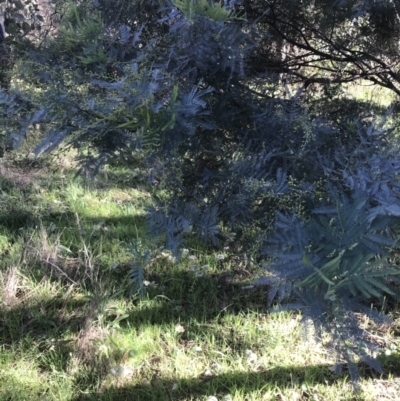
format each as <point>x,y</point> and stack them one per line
<point>198,349</point>
<point>216,366</point>
<point>199,274</point>
<point>205,267</point>
<point>220,257</point>
<point>121,371</point>
<point>174,387</point>
<point>251,356</point>
<point>212,398</point>
<point>226,248</point>
<point>185,251</point>
<point>192,257</point>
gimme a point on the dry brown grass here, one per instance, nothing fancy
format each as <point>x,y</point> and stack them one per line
<point>21,178</point>
<point>10,286</point>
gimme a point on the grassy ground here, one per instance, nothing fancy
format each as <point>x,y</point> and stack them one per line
<point>365,92</point>
<point>68,330</point>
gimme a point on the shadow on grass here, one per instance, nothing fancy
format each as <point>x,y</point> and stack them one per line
<point>45,323</point>
<point>56,325</point>
<point>18,391</point>
<point>180,297</point>
<point>261,383</point>
<point>41,320</point>
<point>105,233</point>
<point>15,218</point>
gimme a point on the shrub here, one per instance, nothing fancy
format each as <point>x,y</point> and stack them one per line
<point>230,157</point>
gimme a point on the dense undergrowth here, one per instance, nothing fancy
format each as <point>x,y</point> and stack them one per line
<point>70,332</point>
<point>206,189</point>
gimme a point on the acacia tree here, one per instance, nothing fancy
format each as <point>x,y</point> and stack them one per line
<point>328,41</point>
<point>191,87</point>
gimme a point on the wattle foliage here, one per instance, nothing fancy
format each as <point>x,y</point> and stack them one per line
<point>314,197</point>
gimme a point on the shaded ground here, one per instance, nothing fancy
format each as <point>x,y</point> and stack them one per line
<point>67,327</point>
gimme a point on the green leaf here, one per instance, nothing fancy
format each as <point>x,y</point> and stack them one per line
<point>132,353</point>
<point>26,27</point>
<point>333,263</point>
<point>379,284</point>
<point>361,289</point>
<point>120,318</point>
<point>354,211</point>
<point>64,248</point>
<point>18,5</point>
<point>365,288</point>
<point>360,264</point>
<point>113,342</point>
<point>333,266</point>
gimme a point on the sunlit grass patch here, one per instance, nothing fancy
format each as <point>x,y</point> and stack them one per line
<point>69,331</point>
<point>20,378</point>
<point>365,91</point>
<point>103,203</point>
<point>64,212</point>
<point>177,343</point>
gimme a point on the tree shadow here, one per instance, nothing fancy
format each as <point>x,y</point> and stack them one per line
<point>180,296</point>
<point>303,378</point>
<point>42,325</point>
<point>185,298</point>
<point>41,319</point>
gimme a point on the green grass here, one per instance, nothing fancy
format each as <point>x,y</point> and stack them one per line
<point>68,330</point>
<point>364,91</point>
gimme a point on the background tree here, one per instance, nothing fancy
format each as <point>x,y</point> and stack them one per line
<point>328,41</point>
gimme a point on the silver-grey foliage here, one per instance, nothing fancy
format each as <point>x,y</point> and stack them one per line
<point>310,189</point>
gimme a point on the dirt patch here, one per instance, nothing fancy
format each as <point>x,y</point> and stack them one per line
<point>86,346</point>
<point>383,390</point>
<point>21,178</point>
<point>88,350</point>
